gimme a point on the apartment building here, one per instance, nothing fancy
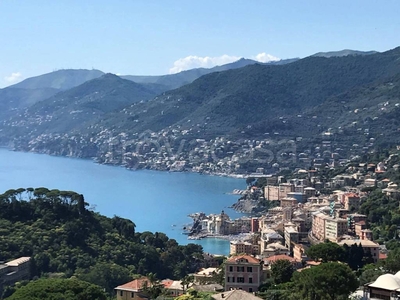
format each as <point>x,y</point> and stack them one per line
<point>326,227</point>
<point>243,272</point>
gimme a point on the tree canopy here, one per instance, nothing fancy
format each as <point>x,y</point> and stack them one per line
<point>62,236</point>
<point>326,252</point>
<point>60,289</point>
<point>328,281</point>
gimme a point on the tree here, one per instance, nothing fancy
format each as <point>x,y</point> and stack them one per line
<point>328,281</point>
<point>370,273</point>
<point>282,271</point>
<point>106,275</point>
<point>186,281</point>
<point>392,262</point>
<point>326,252</point>
<point>66,289</point>
<point>355,256</point>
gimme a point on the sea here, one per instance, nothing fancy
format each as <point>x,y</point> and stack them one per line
<point>155,201</point>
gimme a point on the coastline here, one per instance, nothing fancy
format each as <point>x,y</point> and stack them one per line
<point>95,160</point>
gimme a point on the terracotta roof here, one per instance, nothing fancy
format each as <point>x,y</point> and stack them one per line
<point>249,258</point>
<point>274,258</point>
<point>353,195</point>
<point>135,285</point>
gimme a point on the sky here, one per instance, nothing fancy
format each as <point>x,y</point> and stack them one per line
<point>148,37</point>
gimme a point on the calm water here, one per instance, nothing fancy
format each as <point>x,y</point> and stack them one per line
<point>155,201</point>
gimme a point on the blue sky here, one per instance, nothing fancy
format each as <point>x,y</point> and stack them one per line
<point>159,37</point>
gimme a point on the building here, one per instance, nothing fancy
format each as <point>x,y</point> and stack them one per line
<point>206,275</point>
<point>326,227</point>
<point>174,288</point>
<point>14,271</point>
<point>335,228</point>
<point>133,290</point>
<point>235,295</point>
<point>243,272</point>
<point>350,201</point>
<point>255,225</point>
<point>386,287</point>
<point>272,192</point>
<point>367,245</point>
<point>240,247</point>
<point>269,261</point>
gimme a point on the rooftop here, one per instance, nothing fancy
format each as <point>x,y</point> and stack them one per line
<point>364,243</point>
<point>18,261</point>
<point>247,258</point>
<point>134,285</point>
<point>235,295</point>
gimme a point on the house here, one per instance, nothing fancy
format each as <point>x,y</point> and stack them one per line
<point>174,288</point>
<point>235,295</point>
<point>206,275</point>
<point>386,286</point>
<point>243,272</point>
<point>133,290</point>
<point>269,261</point>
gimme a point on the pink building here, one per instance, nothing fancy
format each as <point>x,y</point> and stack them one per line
<point>243,272</point>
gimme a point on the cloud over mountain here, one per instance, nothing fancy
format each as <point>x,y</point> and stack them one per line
<point>193,61</point>
<point>13,78</point>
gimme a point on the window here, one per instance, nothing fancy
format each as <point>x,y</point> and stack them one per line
<point>230,269</point>
<point>250,280</point>
<point>233,279</point>
<point>250,269</point>
<point>121,293</point>
<point>132,295</point>
<point>240,279</point>
<point>250,290</point>
<point>228,279</point>
<point>240,269</point>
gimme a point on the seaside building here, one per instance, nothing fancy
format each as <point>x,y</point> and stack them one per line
<point>272,192</point>
<point>243,272</point>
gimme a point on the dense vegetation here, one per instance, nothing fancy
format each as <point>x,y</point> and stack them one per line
<point>62,236</point>
<point>58,289</point>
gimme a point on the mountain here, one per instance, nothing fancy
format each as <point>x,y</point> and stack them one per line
<point>59,80</point>
<point>344,52</point>
<point>173,81</point>
<point>227,102</point>
<point>34,89</point>
<point>348,100</point>
<point>84,104</point>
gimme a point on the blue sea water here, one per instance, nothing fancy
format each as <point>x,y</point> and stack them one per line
<point>154,201</point>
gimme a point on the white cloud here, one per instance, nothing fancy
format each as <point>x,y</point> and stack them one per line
<point>193,61</point>
<point>265,57</point>
<point>13,78</point>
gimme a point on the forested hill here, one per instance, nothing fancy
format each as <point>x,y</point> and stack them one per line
<point>226,102</point>
<point>63,236</point>
<point>82,105</point>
